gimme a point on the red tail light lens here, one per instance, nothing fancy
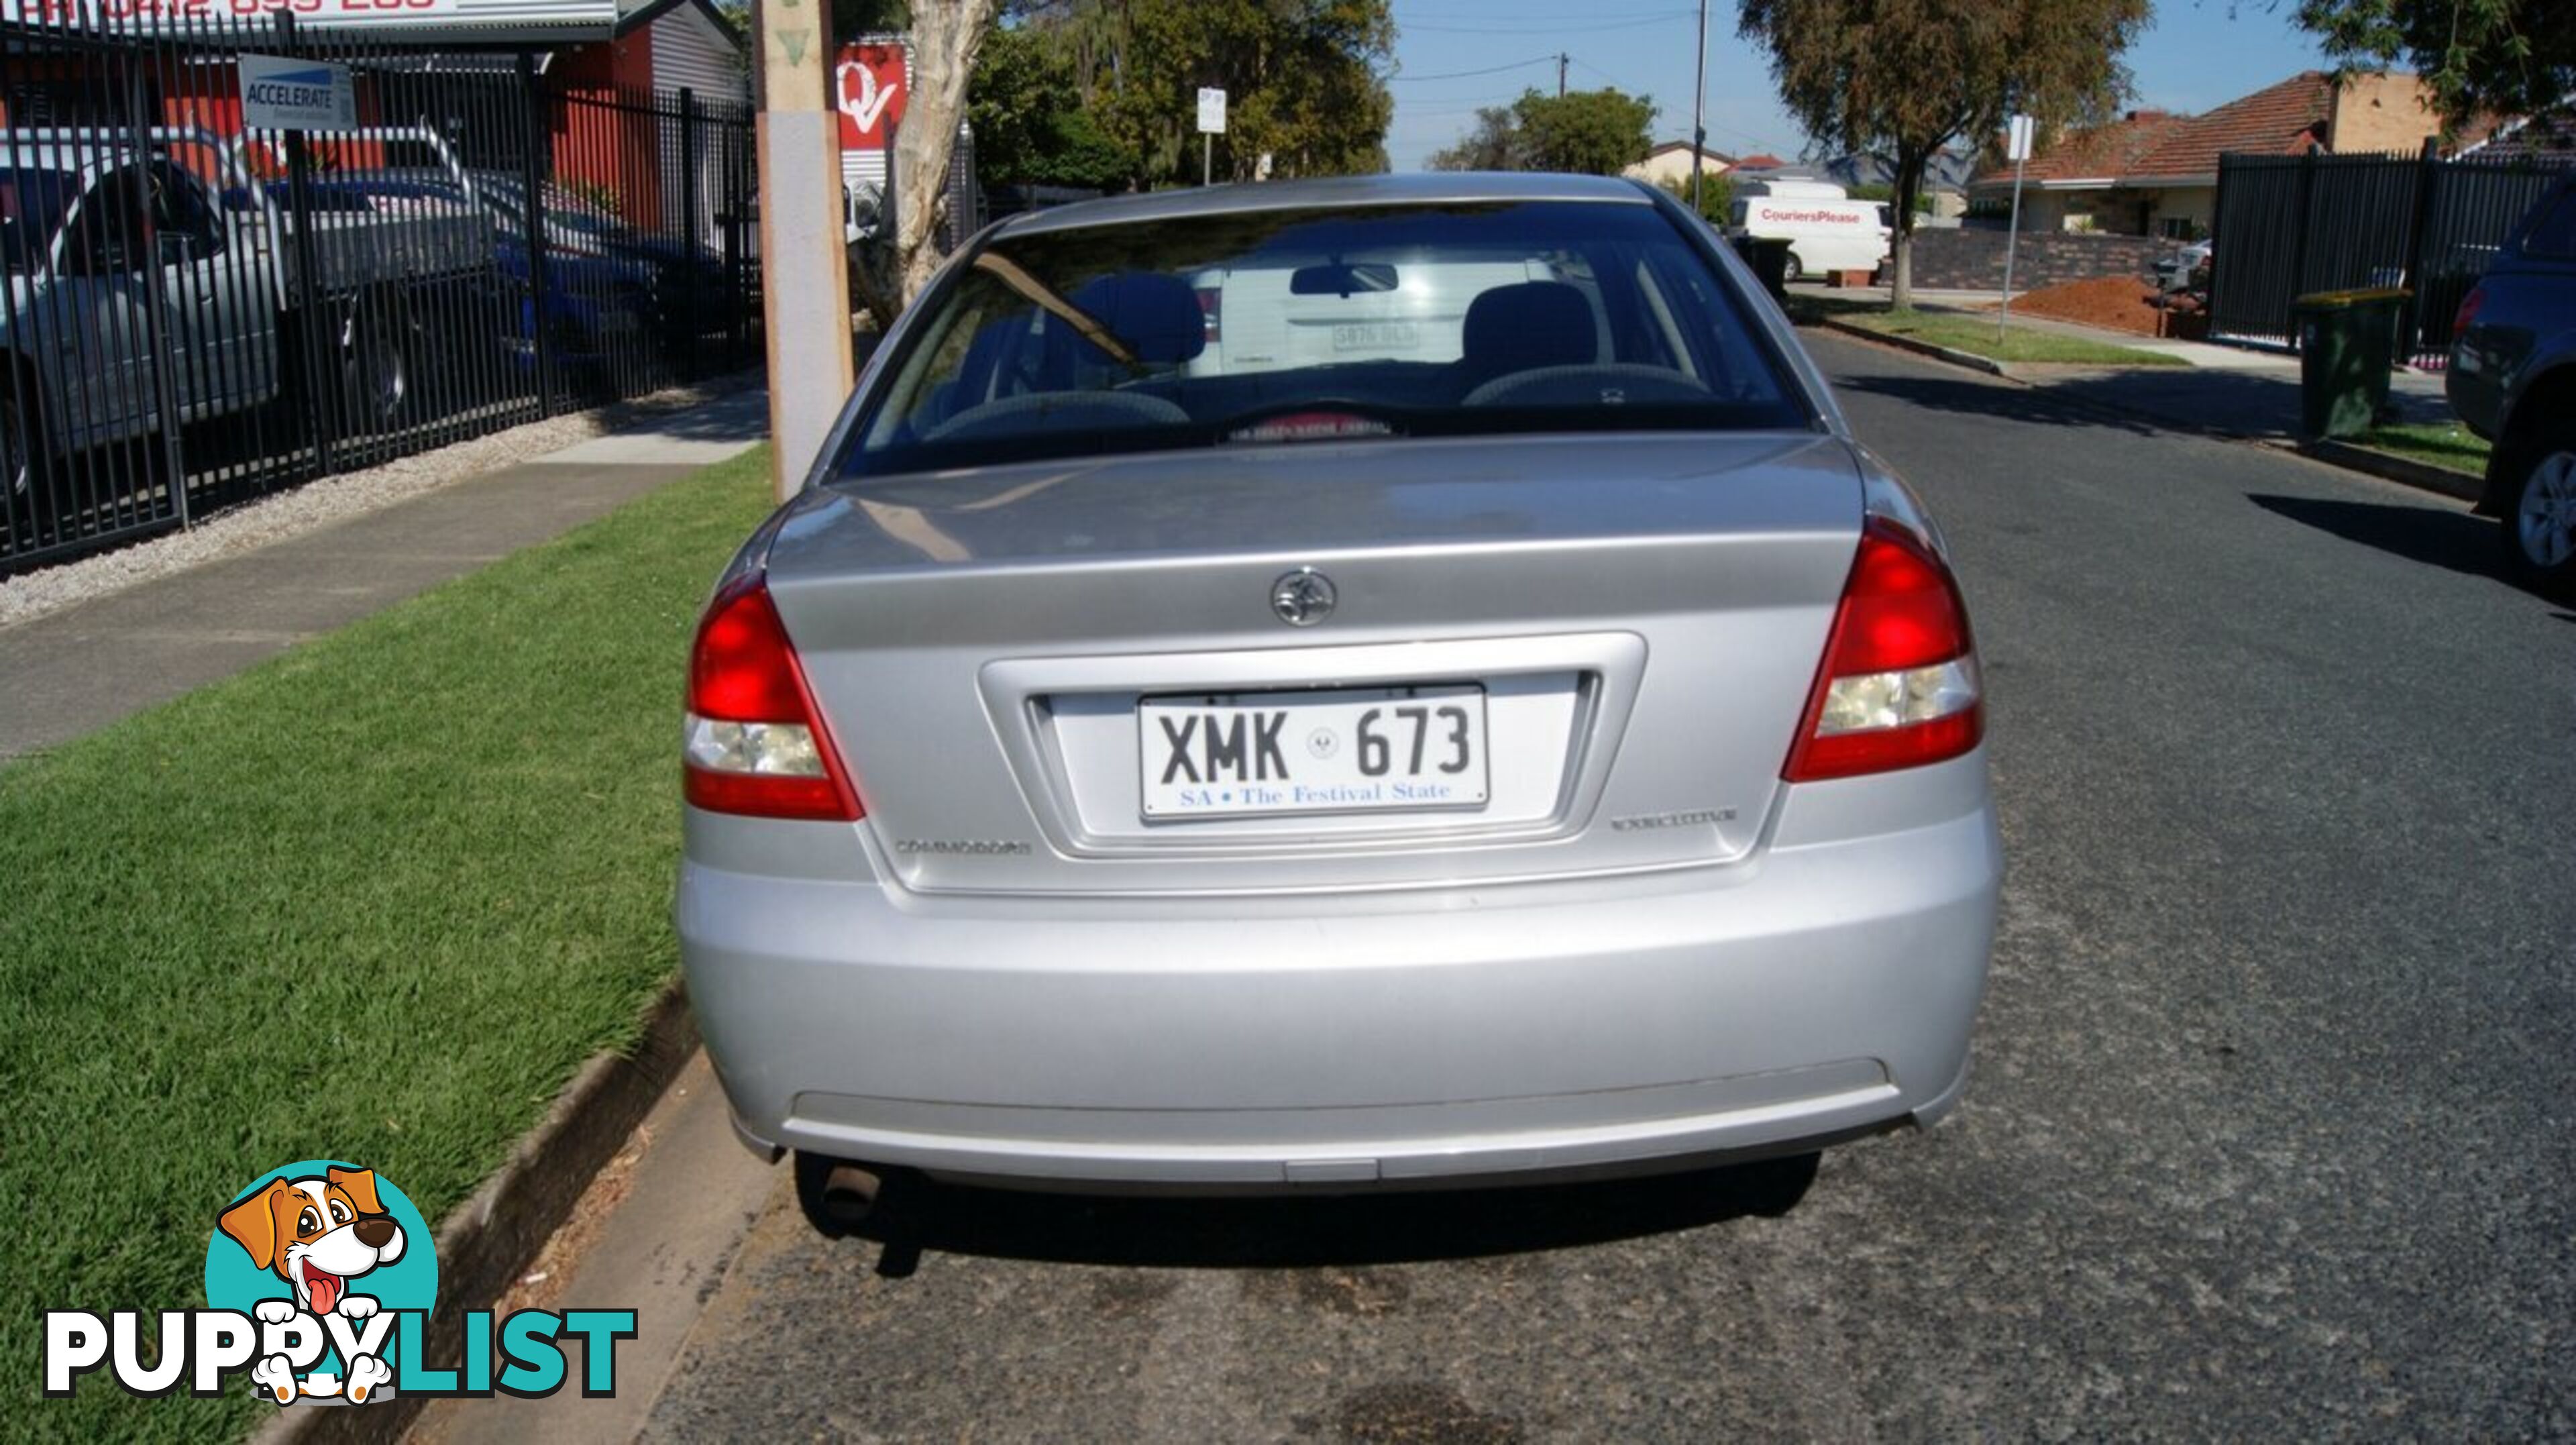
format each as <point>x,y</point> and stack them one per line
<point>2468,311</point>
<point>755,743</point>
<point>1899,685</point>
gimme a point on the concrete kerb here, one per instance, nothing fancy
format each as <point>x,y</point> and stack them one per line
<point>1952,355</point>
<point>2423,476</point>
<point>485,1242</point>
<point>2403,470</point>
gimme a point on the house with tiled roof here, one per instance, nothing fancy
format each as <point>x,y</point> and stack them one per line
<point>1671,163</point>
<point>2154,173</point>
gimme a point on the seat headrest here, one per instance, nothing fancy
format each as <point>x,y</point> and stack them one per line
<point>1156,315</point>
<point>1527,326</point>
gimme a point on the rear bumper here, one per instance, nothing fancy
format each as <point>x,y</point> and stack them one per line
<point>1532,1029</point>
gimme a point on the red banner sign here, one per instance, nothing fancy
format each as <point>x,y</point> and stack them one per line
<point>868,85</point>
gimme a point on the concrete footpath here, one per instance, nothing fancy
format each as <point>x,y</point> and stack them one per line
<point>75,671</point>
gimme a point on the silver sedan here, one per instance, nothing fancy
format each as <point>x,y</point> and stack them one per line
<point>1330,685</point>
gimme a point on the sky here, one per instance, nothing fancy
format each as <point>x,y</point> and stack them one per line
<point>2193,56</point>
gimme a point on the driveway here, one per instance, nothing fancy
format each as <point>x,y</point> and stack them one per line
<point>2270,1132</point>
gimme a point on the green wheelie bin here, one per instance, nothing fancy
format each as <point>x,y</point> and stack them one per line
<point>2347,346</point>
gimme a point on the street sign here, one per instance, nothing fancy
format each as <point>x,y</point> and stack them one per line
<point>2017,144</point>
<point>280,93</point>
<point>1211,111</point>
<point>868,84</point>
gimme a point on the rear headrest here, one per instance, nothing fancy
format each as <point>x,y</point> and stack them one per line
<point>1527,326</point>
<point>1157,316</point>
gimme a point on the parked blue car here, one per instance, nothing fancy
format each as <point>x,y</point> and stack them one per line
<point>2513,381</point>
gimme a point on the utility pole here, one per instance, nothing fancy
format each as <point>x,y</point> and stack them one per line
<point>805,279</point>
<point>1561,59</point>
<point>1699,110</point>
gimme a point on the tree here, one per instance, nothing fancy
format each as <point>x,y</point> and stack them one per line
<point>2490,57</point>
<point>1491,146</point>
<point>1902,78</point>
<point>1716,195</point>
<point>1304,94</point>
<point>945,36</point>
<point>1031,127</point>
<point>1596,132</point>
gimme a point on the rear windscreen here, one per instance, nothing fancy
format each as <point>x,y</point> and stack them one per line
<point>1275,327</point>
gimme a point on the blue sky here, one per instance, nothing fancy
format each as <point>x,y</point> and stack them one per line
<point>2193,57</point>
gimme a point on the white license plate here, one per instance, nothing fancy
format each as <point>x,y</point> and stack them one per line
<point>1347,751</point>
<point>1377,336</point>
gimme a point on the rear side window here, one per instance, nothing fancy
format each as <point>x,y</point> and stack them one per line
<point>1266,328</point>
<point>2554,233</point>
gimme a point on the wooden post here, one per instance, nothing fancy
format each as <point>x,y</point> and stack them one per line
<point>805,280</point>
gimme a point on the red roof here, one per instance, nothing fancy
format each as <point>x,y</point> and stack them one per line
<point>2283,119</point>
<point>2278,120</point>
<point>1760,161</point>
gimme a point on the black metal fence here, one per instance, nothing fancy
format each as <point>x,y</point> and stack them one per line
<point>2289,225</point>
<point>198,313</point>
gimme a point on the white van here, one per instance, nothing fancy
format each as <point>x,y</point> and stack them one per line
<point>1825,228</point>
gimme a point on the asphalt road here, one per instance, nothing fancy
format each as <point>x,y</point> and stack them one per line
<point>2271,1124</point>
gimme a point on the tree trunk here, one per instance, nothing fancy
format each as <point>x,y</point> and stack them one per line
<point>1909,183</point>
<point>946,34</point>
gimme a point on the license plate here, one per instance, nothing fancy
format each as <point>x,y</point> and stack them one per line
<point>1346,751</point>
<point>1377,336</point>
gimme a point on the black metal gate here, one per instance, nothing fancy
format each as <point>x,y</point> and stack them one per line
<point>2289,225</point>
<point>197,313</point>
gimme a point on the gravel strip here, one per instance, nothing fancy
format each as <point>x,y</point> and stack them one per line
<point>326,500</point>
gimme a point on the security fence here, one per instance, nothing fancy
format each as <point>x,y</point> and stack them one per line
<point>2286,226</point>
<point>202,308</point>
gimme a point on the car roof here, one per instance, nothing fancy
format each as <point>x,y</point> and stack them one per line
<point>1328,193</point>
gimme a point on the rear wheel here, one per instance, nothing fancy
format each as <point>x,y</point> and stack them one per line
<point>2540,511</point>
<point>376,350</point>
<point>17,448</point>
<point>1790,270</point>
<point>31,499</point>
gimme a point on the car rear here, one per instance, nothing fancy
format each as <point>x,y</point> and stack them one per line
<point>1540,742</point>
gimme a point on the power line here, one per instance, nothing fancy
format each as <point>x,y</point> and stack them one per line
<point>1488,70</point>
<point>1664,18</point>
<point>1558,23</point>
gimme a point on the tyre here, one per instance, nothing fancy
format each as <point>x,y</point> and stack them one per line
<point>2540,510</point>
<point>18,446</point>
<point>377,344</point>
<point>1790,270</point>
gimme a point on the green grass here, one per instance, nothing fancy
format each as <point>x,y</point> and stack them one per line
<point>2444,444</point>
<point>1976,336</point>
<point>376,899</point>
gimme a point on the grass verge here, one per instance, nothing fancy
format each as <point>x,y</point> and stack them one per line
<point>1976,336</point>
<point>376,899</point>
<point>2443,444</point>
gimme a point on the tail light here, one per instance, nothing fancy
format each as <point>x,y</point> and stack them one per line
<point>1212,311</point>
<point>1899,685</point>
<point>2468,311</point>
<point>755,742</point>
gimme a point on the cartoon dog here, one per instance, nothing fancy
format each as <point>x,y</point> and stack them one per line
<point>317,1235</point>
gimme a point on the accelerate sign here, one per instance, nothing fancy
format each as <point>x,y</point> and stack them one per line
<point>552,15</point>
<point>279,93</point>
